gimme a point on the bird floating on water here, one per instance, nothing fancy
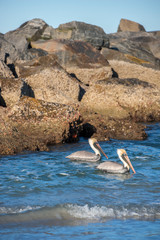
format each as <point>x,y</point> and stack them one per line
<point>114,167</point>
<point>89,156</point>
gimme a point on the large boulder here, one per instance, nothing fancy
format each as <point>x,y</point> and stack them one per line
<point>79,31</point>
<point>8,52</point>
<point>12,89</point>
<point>130,70</point>
<point>31,30</point>
<point>35,125</point>
<point>128,98</point>
<point>131,26</point>
<point>5,71</point>
<point>49,81</point>
<point>138,47</point>
<point>98,125</point>
<point>78,58</point>
<point>154,46</point>
<point>15,45</point>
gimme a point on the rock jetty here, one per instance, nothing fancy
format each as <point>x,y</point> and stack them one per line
<point>57,85</point>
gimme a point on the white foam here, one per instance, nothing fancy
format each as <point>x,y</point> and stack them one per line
<point>98,212</point>
<point>72,212</point>
<point>13,210</point>
<point>64,174</point>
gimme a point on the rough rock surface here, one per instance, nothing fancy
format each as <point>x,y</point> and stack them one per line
<point>131,26</point>
<point>31,30</point>
<point>5,72</point>
<point>79,31</point>
<point>78,58</point>
<point>138,46</point>
<point>122,102</point>
<point>8,52</point>
<point>49,81</point>
<point>66,88</point>
<point>34,125</point>
<point>128,70</point>
<point>11,90</point>
<point>99,126</point>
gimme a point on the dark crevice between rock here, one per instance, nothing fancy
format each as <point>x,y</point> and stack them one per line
<point>2,101</point>
<point>82,90</point>
<point>11,66</point>
<point>73,75</point>
<point>26,90</point>
<point>29,45</point>
<point>81,93</point>
<point>87,130</point>
<point>128,82</point>
<point>73,135</point>
<point>114,73</point>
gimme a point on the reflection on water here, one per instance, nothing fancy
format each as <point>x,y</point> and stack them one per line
<point>120,177</point>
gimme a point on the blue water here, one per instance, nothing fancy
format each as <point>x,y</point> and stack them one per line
<point>44,195</point>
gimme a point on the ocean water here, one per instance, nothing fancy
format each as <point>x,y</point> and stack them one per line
<point>44,195</point>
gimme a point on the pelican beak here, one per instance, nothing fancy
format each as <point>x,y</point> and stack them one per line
<point>100,149</point>
<point>129,162</point>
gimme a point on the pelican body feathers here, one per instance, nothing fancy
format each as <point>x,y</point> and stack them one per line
<point>88,156</point>
<point>114,167</point>
<point>107,166</point>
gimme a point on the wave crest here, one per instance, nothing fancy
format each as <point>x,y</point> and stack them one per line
<point>71,214</point>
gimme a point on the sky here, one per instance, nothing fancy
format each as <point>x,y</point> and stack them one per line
<point>103,13</point>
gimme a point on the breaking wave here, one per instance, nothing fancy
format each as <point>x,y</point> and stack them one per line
<point>70,214</point>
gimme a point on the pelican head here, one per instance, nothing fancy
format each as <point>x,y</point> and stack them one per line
<point>125,159</point>
<point>96,147</point>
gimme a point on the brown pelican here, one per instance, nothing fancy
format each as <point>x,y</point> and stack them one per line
<point>89,156</point>
<point>114,167</point>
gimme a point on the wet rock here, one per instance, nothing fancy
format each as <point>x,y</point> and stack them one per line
<point>57,90</point>
<point>98,125</point>
<point>34,125</point>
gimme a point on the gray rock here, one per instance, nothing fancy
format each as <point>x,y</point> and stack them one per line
<point>137,44</point>
<point>81,31</point>
<point>8,52</point>
<point>5,72</point>
<point>72,53</point>
<point>1,35</point>
<point>78,58</point>
<point>31,30</point>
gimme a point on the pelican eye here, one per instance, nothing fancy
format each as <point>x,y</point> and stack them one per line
<point>123,156</point>
<point>95,144</point>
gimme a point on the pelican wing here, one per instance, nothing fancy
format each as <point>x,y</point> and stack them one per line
<point>112,167</point>
<point>84,156</point>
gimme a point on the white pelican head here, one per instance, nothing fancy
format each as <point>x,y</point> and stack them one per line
<point>96,147</point>
<point>125,159</point>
